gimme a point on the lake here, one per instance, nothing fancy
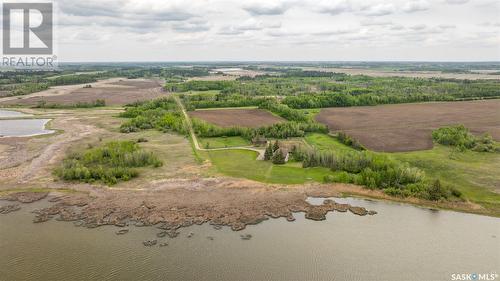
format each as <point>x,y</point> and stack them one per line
<point>401,242</point>
<point>21,127</point>
<point>11,113</point>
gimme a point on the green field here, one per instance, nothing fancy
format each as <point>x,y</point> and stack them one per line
<point>475,174</point>
<point>326,142</point>
<point>243,164</point>
<point>221,142</point>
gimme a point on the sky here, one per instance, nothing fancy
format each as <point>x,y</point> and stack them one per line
<point>278,30</point>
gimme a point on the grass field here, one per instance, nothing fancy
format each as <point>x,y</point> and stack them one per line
<point>475,174</point>
<point>326,142</point>
<point>243,164</point>
<point>223,142</point>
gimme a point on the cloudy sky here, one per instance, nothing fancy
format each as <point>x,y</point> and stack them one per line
<point>179,30</point>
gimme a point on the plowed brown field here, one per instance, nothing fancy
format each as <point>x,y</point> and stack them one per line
<point>251,118</point>
<point>408,127</point>
<point>113,91</point>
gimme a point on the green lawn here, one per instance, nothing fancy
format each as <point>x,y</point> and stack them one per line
<point>326,142</point>
<point>221,142</point>
<point>243,164</point>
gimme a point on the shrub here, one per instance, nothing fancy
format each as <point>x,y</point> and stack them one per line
<point>459,137</point>
<point>454,136</point>
<point>349,141</point>
<point>436,191</point>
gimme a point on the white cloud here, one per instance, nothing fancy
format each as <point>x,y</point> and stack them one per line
<point>274,29</point>
<point>266,8</point>
<point>416,6</point>
<point>457,2</point>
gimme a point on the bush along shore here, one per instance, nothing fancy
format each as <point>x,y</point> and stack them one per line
<point>376,171</point>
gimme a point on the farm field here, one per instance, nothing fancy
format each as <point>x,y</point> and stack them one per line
<point>114,92</point>
<point>415,74</point>
<point>408,127</point>
<point>252,118</point>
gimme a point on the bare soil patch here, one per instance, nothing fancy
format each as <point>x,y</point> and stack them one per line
<point>408,127</point>
<point>252,118</point>
<point>113,91</point>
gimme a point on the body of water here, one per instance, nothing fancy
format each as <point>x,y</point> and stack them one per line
<point>21,127</point>
<point>401,242</point>
<point>11,113</point>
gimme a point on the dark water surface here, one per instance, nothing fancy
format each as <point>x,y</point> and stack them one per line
<point>401,242</point>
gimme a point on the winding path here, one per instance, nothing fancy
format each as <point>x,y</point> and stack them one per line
<point>195,139</point>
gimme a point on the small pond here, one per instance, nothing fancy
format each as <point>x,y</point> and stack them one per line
<point>21,127</point>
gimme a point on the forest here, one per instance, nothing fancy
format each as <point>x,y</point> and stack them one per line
<point>307,89</point>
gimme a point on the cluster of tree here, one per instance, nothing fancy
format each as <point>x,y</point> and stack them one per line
<point>161,114</point>
<point>349,141</point>
<point>185,72</point>
<point>17,77</point>
<point>109,164</point>
<point>345,100</point>
<point>95,103</point>
<point>277,131</point>
<point>274,154</point>
<point>199,86</point>
<point>303,89</point>
<point>28,88</point>
<point>459,136</point>
<point>207,100</point>
<point>283,110</point>
<point>374,171</point>
<point>73,79</point>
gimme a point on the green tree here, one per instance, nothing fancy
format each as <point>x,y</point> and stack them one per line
<point>278,157</point>
<point>269,153</point>
<point>436,191</point>
<point>276,146</point>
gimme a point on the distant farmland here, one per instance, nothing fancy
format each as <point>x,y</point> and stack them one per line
<point>252,118</point>
<point>114,91</point>
<point>408,127</point>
